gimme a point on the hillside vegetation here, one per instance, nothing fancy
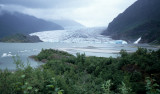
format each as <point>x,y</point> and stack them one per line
<point>20,38</point>
<point>131,73</point>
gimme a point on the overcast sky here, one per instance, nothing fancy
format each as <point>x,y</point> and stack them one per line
<point>88,12</point>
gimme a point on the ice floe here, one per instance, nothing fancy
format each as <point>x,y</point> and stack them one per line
<point>7,55</point>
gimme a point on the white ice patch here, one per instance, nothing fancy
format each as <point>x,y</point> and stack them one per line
<point>137,41</point>
<point>7,55</point>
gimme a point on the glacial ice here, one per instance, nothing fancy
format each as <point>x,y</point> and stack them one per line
<point>87,35</point>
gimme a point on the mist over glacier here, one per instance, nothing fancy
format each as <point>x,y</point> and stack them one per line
<point>82,35</point>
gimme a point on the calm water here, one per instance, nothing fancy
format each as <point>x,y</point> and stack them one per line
<point>23,50</point>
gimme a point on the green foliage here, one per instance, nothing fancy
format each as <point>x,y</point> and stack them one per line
<point>124,89</point>
<point>27,80</point>
<point>80,74</point>
<point>106,87</point>
<point>51,54</point>
<point>152,87</point>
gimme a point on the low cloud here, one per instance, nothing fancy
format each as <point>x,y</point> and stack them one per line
<point>87,12</point>
<point>47,3</point>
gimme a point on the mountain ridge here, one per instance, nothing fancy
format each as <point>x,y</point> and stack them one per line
<point>12,23</point>
<point>141,19</point>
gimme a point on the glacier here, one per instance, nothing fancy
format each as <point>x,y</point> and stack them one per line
<point>83,35</point>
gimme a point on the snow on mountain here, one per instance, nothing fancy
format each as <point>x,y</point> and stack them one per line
<point>85,35</point>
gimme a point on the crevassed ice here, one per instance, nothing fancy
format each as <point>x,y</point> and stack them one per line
<point>76,36</point>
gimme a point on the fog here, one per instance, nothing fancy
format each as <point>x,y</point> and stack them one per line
<point>87,12</point>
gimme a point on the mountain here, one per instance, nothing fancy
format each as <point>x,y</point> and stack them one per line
<point>142,19</point>
<point>12,23</point>
<point>20,38</point>
<point>66,23</point>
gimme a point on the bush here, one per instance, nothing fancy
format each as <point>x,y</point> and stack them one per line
<point>82,74</point>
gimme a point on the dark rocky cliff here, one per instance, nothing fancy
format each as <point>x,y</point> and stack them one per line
<point>142,19</point>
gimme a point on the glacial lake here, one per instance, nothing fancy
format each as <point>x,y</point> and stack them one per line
<point>24,50</point>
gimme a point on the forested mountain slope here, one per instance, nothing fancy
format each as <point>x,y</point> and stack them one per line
<point>13,23</point>
<point>142,19</point>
